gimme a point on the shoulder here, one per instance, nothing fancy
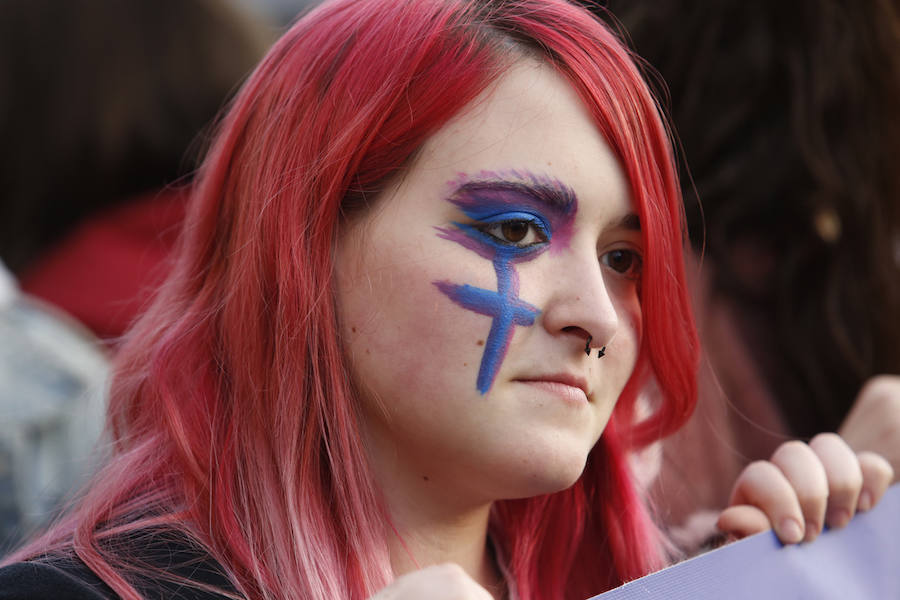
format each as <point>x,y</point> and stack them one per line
<point>41,581</point>
<point>157,562</point>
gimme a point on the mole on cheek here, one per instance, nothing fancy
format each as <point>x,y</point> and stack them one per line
<point>479,343</point>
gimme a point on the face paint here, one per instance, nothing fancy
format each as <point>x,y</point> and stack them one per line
<point>500,208</point>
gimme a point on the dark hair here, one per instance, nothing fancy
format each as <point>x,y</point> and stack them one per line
<point>789,117</point>
<point>101,100</point>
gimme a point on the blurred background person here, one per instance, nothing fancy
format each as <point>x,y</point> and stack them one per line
<point>101,111</point>
<point>103,105</point>
<point>52,384</point>
<point>788,115</point>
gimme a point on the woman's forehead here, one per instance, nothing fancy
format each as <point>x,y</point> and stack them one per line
<point>528,128</point>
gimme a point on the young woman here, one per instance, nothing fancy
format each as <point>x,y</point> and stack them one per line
<point>432,257</point>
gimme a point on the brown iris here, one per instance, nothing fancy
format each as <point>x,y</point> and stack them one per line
<point>623,261</point>
<point>514,231</point>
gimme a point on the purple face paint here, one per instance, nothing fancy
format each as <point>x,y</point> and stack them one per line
<point>546,208</point>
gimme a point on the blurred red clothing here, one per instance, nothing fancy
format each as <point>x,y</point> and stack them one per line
<point>106,270</point>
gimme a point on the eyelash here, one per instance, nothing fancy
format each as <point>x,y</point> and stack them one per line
<point>493,229</point>
<point>634,267</point>
<point>536,229</point>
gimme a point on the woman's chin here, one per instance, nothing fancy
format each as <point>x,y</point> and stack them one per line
<point>546,476</point>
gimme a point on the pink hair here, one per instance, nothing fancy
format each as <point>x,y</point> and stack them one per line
<point>231,412</point>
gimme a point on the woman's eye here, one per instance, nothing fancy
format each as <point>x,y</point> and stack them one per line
<point>624,261</point>
<point>516,232</point>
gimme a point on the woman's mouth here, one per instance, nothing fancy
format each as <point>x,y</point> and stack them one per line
<point>569,387</point>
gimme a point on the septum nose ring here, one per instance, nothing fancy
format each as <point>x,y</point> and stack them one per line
<point>587,348</point>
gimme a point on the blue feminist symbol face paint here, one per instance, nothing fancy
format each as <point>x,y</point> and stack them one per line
<point>511,220</point>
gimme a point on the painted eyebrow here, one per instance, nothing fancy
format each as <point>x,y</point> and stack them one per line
<point>554,195</point>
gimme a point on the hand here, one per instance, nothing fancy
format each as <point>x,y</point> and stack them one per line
<point>874,421</point>
<point>440,582</point>
<point>804,487</point>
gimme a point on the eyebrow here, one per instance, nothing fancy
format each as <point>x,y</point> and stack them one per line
<point>551,194</point>
<point>630,222</point>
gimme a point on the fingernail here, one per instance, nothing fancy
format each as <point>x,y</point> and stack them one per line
<point>865,501</point>
<point>812,531</point>
<point>838,517</point>
<point>790,531</point>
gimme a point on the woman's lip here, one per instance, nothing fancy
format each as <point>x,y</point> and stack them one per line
<point>571,387</point>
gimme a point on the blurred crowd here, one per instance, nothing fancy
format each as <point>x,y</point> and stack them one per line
<point>105,110</point>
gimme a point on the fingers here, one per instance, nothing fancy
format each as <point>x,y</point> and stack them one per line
<point>874,421</point>
<point>844,477</point>
<point>764,486</point>
<point>743,520</point>
<point>877,475</point>
<point>804,488</point>
<point>805,472</point>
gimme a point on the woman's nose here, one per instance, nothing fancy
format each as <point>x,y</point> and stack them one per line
<point>582,306</point>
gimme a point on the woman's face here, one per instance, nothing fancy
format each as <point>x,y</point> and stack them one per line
<point>468,293</point>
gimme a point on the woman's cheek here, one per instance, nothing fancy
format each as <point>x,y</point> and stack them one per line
<point>403,334</point>
<point>630,334</point>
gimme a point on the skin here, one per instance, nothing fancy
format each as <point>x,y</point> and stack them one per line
<point>444,447</point>
<point>804,488</point>
<point>873,423</point>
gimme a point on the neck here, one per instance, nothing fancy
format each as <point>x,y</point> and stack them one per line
<point>424,538</point>
<point>435,519</point>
